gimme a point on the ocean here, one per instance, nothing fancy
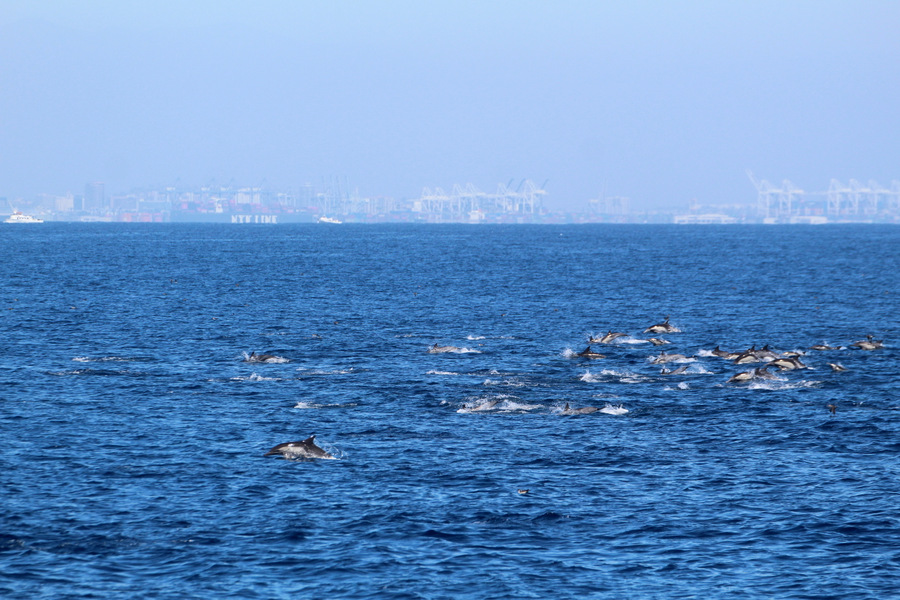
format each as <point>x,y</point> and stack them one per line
<point>442,366</point>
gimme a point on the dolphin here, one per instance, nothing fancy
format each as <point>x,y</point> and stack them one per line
<point>658,341</point>
<point>588,353</point>
<point>305,449</point>
<point>721,353</point>
<point>824,347</point>
<point>757,373</point>
<point>477,407</point>
<point>765,352</point>
<point>666,358</point>
<point>586,410</point>
<point>254,357</point>
<point>725,354</point>
<point>746,357</point>
<point>763,373</point>
<point>740,377</point>
<point>837,367</point>
<point>868,344</point>
<point>436,349</point>
<point>610,336</point>
<point>677,371</point>
<point>664,327</point>
<point>787,364</point>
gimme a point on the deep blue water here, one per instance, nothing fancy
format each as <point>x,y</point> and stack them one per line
<point>134,430</point>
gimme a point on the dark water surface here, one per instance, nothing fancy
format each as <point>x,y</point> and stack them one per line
<point>134,429</point>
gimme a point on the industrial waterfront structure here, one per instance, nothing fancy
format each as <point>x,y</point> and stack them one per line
<point>469,204</point>
<point>852,202</point>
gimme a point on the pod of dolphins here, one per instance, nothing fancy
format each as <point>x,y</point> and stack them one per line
<point>783,361</point>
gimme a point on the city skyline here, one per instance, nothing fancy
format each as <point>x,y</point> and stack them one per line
<point>524,202</point>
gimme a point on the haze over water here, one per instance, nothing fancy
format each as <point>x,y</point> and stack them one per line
<point>666,104</point>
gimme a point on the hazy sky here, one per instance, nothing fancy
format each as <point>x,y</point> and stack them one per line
<point>658,101</point>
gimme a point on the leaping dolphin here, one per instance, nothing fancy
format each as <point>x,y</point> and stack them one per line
<point>610,336</point>
<point>744,376</point>
<point>667,358</point>
<point>664,327</point>
<point>757,373</point>
<point>305,449</point>
<point>787,364</point>
<point>870,343</point>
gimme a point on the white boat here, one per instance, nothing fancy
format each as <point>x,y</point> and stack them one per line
<point>329,220</point>
<point>18,217</point>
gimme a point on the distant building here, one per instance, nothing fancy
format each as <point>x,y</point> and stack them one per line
<point>610,205</point>
<point>95,196</point>
<point>64,203</point>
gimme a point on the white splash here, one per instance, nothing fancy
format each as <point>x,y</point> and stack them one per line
<point>499,403</point>
<point>256,377</point>
<point>631,340</point>
<point>307,371</point>
<point>313,405</point>
<point>589,377</point>
<point>451,350</point>
<point>781,384</point>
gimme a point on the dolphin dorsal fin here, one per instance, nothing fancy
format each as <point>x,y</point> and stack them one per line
<point>310,440</point>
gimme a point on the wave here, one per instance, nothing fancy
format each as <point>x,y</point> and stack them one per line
<point>105,359</point>
<point>98,373</point>
<point>303,371</point>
